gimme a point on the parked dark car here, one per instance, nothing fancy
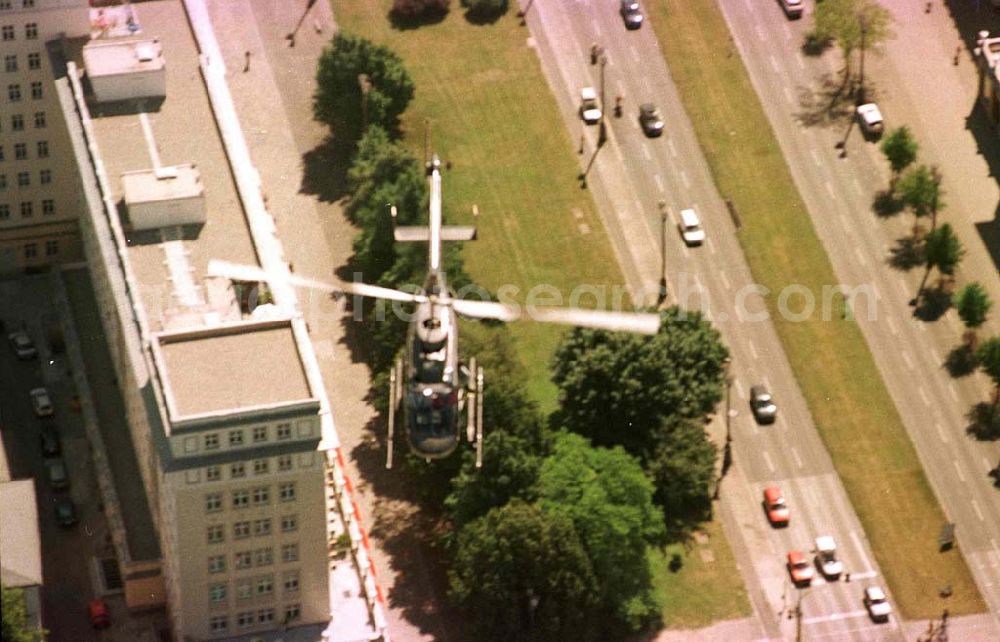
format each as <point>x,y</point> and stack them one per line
<point>762,404</point>
<point>631,14</point>
<point>49,440</point>
<point>65,511</point>
<point>649,118</point>
<point>55,473</point>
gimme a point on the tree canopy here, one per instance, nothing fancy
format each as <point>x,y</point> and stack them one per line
<point>988,357</point>
<point>920,190</point>
<point>853,24</point>
<point>609,499</point>
<point>616,387</point>
<point>354,76</point>
<point>973,305</point>
<point>900,149</point>
<point>15,618</point>
<point>943,250</point>
<point>523,574</point>
<point>682,468</point>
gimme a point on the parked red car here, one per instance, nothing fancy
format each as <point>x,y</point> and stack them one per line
<point>99,616</point>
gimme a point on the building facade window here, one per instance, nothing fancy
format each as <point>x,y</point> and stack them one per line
<point>265,585</point>
<point>8,32</point>
<point>259,434</point>
<point>14,92</point>
<point>213,502</point>
<point>289,523</point>
<point>27,4</point>
<point>212,473</point>
<point>290,553</point>
<point>217,592</point>
<point>20,151</point>
<point>244,619</point>
<point>242,559</point>
<point>48,207</point>
<point>216,533</point>
<point>10,63</point>
<point>211,441</point>
<point>263,556</point>
<point>40,120</point>
<point>45,176</point>
<point>261,496</point>
<point>241,498</point>
<point>284,432</point>
<point>17,122</point>
<point>217,564</point>
<point>265,616</point>
<point>34,61</point>
<point>291,581</point>
<point>285,463</point>
<point>27,209</point>
<point>51,247</point>
<point>43,149</point>
<point>4,212</point>
<point>3,182</point>
<point>23,179</point>
<point>262,527</point>
<point>244,590</point>
<point>260,467</point>
<point>4,5</point>
<point>31,31</point>
<point>218,624</point>
<point>286,491</point>
<point>292,613</point>
<point>241,530</point>
<point>1,152</point>
<point>237,470</point>
<point>30,250</point>
<point>236,438</point>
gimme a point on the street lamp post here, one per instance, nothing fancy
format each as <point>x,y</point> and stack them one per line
<point>863,23</point>
<point>602,134</point>
<point>661,299</point>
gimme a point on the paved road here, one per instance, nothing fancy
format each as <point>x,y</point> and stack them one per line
<point>629,176</point>
<point>838,192</point>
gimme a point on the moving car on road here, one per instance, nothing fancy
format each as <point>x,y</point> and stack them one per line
<point>800,569</point>
<point>775,506</point>
<point>631,14</point>
<point>793,8</point>
<point>690,227</point>
<point>590,110</point>
<point>649,118</point>
<point>762,404</point>
<point>877,604</point>
<point>870,119</point>
<point>41,402</point>
<point>826,557</point>
<point>22,345</point>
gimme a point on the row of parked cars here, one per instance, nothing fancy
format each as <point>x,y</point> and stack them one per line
<point>56,473</point>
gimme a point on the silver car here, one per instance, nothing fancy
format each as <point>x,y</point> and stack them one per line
<point>762,404</point>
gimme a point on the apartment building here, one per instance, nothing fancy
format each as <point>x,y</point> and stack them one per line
<point>38,197</point>
<point>222,396</point>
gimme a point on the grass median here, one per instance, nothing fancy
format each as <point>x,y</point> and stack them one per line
<point>852,408</point>
<point>493,116</point>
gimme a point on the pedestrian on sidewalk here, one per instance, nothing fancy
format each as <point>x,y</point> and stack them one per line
<point>246,63</point>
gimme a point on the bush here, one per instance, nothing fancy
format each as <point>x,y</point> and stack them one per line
<point>415,10</point>
<point>486,8</point>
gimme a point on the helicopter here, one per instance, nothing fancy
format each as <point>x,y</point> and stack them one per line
<point>429,386</point>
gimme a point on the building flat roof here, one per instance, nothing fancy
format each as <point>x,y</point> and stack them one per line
<point>232,368</point>
<point>162,184</point>
<point>20,546</point>
<point>116,57</point>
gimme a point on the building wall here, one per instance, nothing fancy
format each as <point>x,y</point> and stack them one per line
<point>38,202</point>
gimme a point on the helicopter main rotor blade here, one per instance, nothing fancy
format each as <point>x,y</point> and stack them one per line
<point>485,309</point>
<point>240,272</point>
<point>640,322</point>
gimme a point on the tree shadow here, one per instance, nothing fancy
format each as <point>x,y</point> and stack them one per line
<point>932,304</point>
<point>430,16</point>
<point>828,102</point>
<point>814,46</point>
<point>325,167</point>
<point>886,204</point>
<point>906,254</point>
<point>995,475</point>
<point>961,361</point>
<point>984,422</point>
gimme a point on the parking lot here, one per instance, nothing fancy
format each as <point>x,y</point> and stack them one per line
<point>70,554</point>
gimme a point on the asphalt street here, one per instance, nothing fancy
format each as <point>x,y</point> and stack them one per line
<point>629,177</point>
<point>839,192</point>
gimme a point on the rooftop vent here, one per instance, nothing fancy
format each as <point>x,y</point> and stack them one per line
<point>145,53</point>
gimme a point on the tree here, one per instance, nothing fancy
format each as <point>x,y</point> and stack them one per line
<point>900,149</point>
<point>920,190</point>
<point>682,468</point>
<point>411,11</point>
<point>522,574</point>
<point>617,387</point>
<point>942,250</point>
<point>609,499</point>
<point>485,9</point>
<point>856,25</point>
<point>988,357</point>
<point>347,65</point>
<point>16,627</point>
<point>973,305</point>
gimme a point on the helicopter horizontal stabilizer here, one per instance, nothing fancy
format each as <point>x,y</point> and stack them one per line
<point>422,233</point>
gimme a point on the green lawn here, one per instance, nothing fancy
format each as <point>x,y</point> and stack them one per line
<point>707,588</point>
<point>847,398</point>
<point>493,116</point>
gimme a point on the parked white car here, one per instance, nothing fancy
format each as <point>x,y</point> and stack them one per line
<point>877,604</point>
<point>826,557</point>
<point>21,344</point>
<point>41,402</point>
<point>690,227</point>
<point>590,110</point>
<point>870,119</point>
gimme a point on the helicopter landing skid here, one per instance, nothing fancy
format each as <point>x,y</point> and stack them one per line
<point>395,395</point>
<point>474,409</point>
